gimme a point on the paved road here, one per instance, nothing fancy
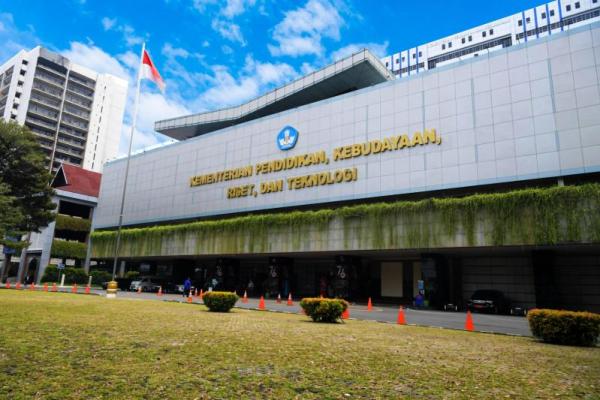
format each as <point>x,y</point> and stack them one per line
<point>454,320</point>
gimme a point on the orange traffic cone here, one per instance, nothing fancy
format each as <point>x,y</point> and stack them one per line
<point>74,288</point>
<point>401,318</point>
<point>159,293</point>
<point>189,298</point>
<point>18,287</point>
<point>201,294</point>
<point>469,322</point>
<point>245,298</point>
<point>196,292</point>
<point>279,298</point>
<point>346,313</point>
<point>7,285</point>
<point>32,286</point>
<point>87,289</point>
<point>54,288</point>
<point>369,305</point>
<point>261,303</point>
<point>139,290</point>
<point>45,287</point>
<point>290,302</point>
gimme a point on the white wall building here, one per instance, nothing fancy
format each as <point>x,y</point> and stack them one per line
<point>75,113</point>
<point>522,27</point>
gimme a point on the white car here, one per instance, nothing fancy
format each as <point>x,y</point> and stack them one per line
<point>147,284</point>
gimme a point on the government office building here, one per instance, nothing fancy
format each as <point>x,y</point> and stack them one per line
<point>360,180</point>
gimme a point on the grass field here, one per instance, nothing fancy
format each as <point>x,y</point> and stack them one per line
<point>57,346</point>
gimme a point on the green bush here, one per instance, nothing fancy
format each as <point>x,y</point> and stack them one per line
<point>565,327</point>
<point>72,275</point>
<point>51,274</point>
<point>132,274</point>
<point>100,276</point>
<point>324,310</point>
<point>220,301</point>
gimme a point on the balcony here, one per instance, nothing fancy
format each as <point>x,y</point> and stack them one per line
<point>43,133</point>
<point>39,122</point>
<point>75,125</point>
<point>86,94</point>
<point>68,150</point>
<point>45,78</point>
<point>38,86</point>
<point>82,81</point>
<point>43,112</point>
<point>45,101</point>
<point>72,132</point>
<point>45,68</point>
<point>77,113</point>
<point>84,104</point>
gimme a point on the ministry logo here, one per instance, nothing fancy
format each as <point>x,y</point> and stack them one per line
<point>287,138</point>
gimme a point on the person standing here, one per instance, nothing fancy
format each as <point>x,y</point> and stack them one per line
<point>187,286</point>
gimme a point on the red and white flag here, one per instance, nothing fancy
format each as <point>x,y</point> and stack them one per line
<point>149,71</point>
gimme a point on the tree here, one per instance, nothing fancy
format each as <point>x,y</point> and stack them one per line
<point>25,193</point>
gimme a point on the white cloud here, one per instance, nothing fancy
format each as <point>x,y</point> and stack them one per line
<point>129,35</point>
<point>228,30</point>
<point>13,39</point>
<point>234,8</point>
<point>173,52</point>
<point>301,30</point>
<point>108,23</point>
<point>95,59</point>
<point>226,49</point>
<point>379,49</point>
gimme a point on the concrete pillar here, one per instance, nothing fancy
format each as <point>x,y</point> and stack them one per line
<point>121,273</point>
<point>88,255</point>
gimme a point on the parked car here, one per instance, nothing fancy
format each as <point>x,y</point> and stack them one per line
<point>492,301</point>
<point>147,284</point>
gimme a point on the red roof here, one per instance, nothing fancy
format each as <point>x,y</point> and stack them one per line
<point>77,180</point>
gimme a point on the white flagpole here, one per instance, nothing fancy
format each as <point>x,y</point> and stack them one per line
<point>133,123</point>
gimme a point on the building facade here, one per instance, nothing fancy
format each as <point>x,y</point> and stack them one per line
<point>523,27</point>
<point>65,240</point>
<point>479,174</point>
<point>75,113</point>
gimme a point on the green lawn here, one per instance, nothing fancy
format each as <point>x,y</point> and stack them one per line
<point>57,346</point>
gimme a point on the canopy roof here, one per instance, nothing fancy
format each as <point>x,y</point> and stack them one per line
<point>354,72</point>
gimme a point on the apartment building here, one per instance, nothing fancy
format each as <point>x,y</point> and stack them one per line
<point>75,113</point>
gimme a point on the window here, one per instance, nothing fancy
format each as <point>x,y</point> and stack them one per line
<point>527,20</point>
<point>470,38</point>
<point>463,40</point>
<point>397,61</point>
<point>450,45</point>
<point>568,7</point>
<point>443,46</point>
<point>520,22</point>
<point>594,1</point>
<point>552,13</point>
<point>420,54</point>
<point>483,33</point>
<point>577,5</point>
<point>414,55</point>
<point>491,31</point>
<point>18,95</point>
<point>543,15</point>
<point>387,64</point>
<point>24,62</point>
<point>403,58</point>
<point>22,72</point>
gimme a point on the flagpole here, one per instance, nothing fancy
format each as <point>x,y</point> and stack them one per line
<point>133,123</point>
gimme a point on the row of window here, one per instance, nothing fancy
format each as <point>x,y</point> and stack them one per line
<point>556,25</point>
<point>469,38</point>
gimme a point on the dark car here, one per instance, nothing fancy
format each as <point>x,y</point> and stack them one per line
<point>491,301</point>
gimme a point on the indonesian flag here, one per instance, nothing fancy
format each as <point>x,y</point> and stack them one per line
<point>149,71</point>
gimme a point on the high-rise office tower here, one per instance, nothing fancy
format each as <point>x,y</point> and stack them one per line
<point>75,113</point>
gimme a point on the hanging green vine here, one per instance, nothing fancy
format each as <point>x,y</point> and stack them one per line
<point>539,216</point>
<point>67,222</point>
<point>68,249</point>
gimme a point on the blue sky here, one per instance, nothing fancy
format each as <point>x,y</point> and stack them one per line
<point>215,53</point>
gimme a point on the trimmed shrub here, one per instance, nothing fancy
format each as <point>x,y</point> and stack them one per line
<point>565,327</point>
<point>100,276</point>
<point>324,310</point>
<point>51,274</point>
<point>72,275</point>
<point>132,274</point>
<point>220,301</point>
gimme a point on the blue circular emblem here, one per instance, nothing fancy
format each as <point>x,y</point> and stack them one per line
<point>287,138</point>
